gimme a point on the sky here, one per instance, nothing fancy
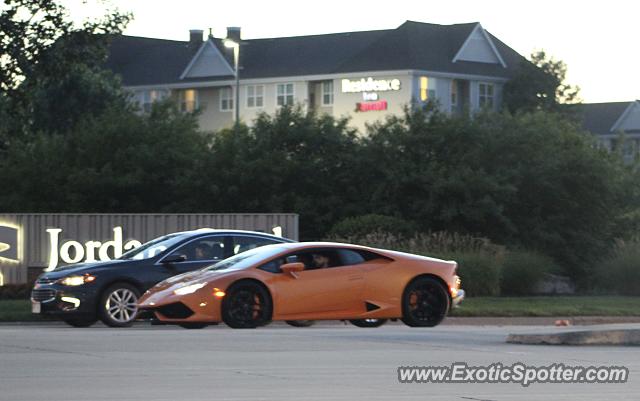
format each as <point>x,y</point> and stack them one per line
<point>599,41</point>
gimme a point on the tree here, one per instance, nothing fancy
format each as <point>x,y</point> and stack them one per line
<point>52,70</point>
<point>539,84</point>
<point>118,161</point>
<point>531,180</point>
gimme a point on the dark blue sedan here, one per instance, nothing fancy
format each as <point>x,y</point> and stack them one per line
<point>81,294</point>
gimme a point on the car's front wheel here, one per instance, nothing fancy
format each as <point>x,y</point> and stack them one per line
<point>247,305</point>
<point>425,302</point>
<point>80,322</point>
<point>119,305</point>
<point>368,322</point>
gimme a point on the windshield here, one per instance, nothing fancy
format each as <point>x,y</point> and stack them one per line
<point>152,248</point>
<point>248,258</point>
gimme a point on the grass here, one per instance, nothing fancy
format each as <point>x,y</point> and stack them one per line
<point>17,310</point>
<point>20,310</point>
<point>550,306</point>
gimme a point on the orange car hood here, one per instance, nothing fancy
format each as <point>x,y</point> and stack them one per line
<point>195,276</point>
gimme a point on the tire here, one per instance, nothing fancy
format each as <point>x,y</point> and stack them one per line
<point>368,322</point>
<point>193,325</point>
<point>80,322</point>
<point>425,303</point>
<point>247,305</point>
<point>118,305</point>
<point>300,323</point>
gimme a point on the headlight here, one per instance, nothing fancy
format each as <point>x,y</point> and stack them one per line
<point>190,289</point>
<point>77,280</point>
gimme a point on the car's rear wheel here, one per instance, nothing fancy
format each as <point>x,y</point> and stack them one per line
<point>368,322</point>
<point>247,305</point>
<point>425,303</point>
<point>193,325</point>
<point>119,305</point>
<point>78,322</point>
<point>300,323</point>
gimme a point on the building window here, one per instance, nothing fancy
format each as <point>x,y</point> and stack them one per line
<point>255,96</point>
<point>226,99</point>
<point>426,93</point>
<point>485,95</point>
<point>147,97</point>
<point>284,95</point>
<point>188,100</point>
<point>327,93</point>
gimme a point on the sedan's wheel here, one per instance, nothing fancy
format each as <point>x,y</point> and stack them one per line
<point>77,322</point>
<point>300,323</point>
<point>247,305</point>
<point>193,325</point>
<point>425,303</point>
<point>368,322</point>
<point>119,305</point>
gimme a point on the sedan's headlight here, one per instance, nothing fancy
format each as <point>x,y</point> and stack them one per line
<point>190,289</point>
<point>77,280</point>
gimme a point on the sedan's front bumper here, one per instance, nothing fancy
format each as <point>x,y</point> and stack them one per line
<point>63,301</point>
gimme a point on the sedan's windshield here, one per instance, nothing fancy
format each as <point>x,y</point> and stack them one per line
<point>248,258</point>
<point>153,247</point>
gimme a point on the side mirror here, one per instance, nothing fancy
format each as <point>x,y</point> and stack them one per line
<point>292,268</point>
<point>176,258</point>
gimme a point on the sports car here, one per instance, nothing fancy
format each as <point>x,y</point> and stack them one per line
<point>309,281</point>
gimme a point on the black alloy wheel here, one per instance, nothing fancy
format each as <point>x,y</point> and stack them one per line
<point>246,306</point>
<point>425,303</point>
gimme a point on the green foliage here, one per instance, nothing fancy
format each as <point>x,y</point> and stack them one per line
<point>531,180</point>
<point>620,273</point>
<point>119,161</point>
<point>370,223</point>
<point>479,272</point>
<point>15,291</point>
<point>290,162</point>
<point>539,84</point>
<point>523,270</point>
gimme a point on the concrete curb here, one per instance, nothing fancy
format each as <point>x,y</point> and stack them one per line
<point>586,337</point>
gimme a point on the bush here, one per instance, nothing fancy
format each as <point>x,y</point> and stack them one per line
<point>479,272</point>
<point>522,271</point>
<point>371,223</point>
<point>15,291</point>
<point>621,273</point>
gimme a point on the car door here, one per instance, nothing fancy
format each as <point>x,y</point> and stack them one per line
<point>328,292</point>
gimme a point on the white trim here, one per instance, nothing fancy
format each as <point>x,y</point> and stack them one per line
<point>199,52</point>
<point>487,38</point>
<point>293,93</point>
<point>624,115</point>
<point>255,86</point>
<point>232,97</point>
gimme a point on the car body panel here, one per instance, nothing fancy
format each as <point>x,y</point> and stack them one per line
<point>371,289</point>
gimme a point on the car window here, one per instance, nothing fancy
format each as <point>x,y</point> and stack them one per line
<point>202,249</point>
<point>153,247</point>
<point>243,243</point>
<point>350,257</point>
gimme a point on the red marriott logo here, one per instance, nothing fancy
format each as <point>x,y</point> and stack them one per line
<point>371,106</point>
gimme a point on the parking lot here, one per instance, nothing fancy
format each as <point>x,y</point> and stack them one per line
<point>329,361</point>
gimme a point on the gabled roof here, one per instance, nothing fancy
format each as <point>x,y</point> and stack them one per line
<point>411,46</point>
<point>600,118</point>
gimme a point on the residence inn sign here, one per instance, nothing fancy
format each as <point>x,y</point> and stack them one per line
<point>33,243</point>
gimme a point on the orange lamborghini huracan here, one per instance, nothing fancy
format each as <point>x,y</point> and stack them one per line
<point>309,281</point>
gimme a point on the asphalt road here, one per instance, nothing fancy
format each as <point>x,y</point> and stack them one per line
<point>324,362</point>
